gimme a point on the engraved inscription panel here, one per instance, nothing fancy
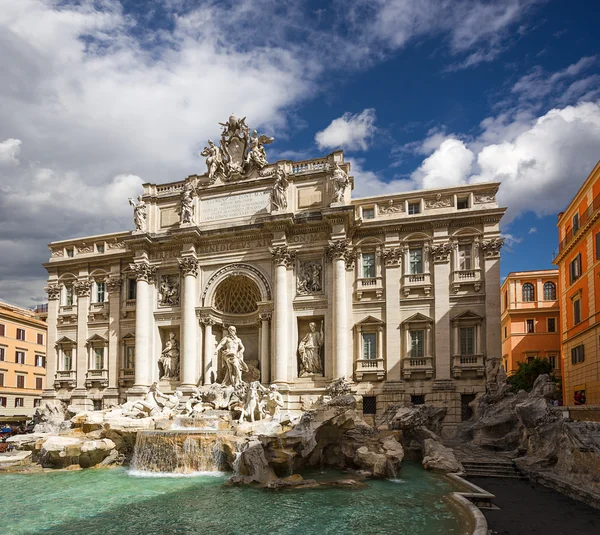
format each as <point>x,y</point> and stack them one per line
<point>240,205</point>
<point>169,217</point>
<point>309,196</point>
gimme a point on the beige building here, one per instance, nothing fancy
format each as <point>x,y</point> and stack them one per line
<point>22,363</point>
<point>398,293</point>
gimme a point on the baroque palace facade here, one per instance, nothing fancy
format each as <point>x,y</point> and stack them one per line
<point>398,293</point>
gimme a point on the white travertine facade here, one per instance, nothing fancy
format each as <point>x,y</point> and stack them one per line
<point>398,293</point>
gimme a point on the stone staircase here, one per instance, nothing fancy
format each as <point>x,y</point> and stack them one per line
<point>500,468</point>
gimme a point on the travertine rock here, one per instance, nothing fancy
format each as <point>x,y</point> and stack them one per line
<point>439,458</point>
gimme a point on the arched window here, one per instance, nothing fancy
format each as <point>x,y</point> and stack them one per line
<point>549,291</point>
<point>528,292</point>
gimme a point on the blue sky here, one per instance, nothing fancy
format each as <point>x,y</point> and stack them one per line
<point>101,96</point>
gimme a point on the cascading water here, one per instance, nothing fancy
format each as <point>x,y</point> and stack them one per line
<point>177,452</point>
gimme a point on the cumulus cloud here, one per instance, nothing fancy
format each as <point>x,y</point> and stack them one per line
<point>449,165</point>
<point>9,151</point>
<point>351,132</point>
<point>532,230</point>
<point>368,183</point>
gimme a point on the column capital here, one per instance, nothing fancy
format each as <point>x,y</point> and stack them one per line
<point>341,249</point>
<point>53,291</point>
<point>143,271</point>
<point>491,248</point>
<point>441,252</point>
<point>282,255</point>
<point>188,266</point>
<point>207,321</point>
<point>113,285</point>
<point>83,287</point>
<point>392,257</point>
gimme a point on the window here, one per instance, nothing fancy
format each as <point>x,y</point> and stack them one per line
<point>415,261</point>
<point>416,399</point>
<point>67,360</point>
<point>39,383</point>
<point>100,292</point>
<point>462,203</point>
<point>549,291</point>
<point>575,269</point>
<point>464,257</point>
<point>368,213</point>
<point>21,334</point>
<point>414,208</point>
<point>98,358</point>
<point>369,404</point>
<point>417,344</point>
<point>69,295</point>
<point>528,292</point>
<point>69,252</point>
<point>2,354</point>
<point>131,287</point>
<point>97,404</point>
<point>551,325</point>
<point>19,402</point>
<point>39,361</point>
<point>1,379</point>
<point>369,341</point>
<point>577,354</point>
<point>20,357</point>
<point>368,265</point>
<point>20,381</point>
<point>575,224</point>
<point>2,401</point>
<point>598,246</point>
<point>505,332</point>
<point>505,299</point>
<point>552,361</point>
<point>37,403</point>
<point>2,329</point>
<point>577,311</point>
<point>129,357</point>
<point>100,247</point>
<point>40,339</point>
<point>530,326</point>
<point>467,340</point>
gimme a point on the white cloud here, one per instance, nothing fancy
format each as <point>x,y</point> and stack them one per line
<point>532,230</point>
<point>449,165</point>
<point>350,132</point>
<point>368,183</point>
<point>9,151</point>
<point>510,239</point>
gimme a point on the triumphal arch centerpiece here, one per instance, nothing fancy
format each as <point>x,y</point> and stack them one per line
<point>398,293</point>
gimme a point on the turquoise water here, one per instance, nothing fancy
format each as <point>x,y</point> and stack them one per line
<point>107,502</point>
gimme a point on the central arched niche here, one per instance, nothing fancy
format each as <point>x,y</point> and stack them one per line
<point>237,294</point>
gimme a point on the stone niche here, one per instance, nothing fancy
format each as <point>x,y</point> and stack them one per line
<point>170,362</point>
<point>309,363</point>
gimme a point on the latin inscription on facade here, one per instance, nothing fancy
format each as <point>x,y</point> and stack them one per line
<point>243,204</point>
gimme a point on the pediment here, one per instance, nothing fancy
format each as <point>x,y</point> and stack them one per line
<point>128,336</point>
<point>467,316</point>
<point>65,340</point>
<point>370,320</point>
<point>418,318</point>
<point>96,338</point>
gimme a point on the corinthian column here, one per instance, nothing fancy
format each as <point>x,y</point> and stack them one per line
<point>143,273</point>
<point>83,289</point>
<point>338,252</point>
<point>53,291</point>
<point>282,258</point>
<point>189,270</point>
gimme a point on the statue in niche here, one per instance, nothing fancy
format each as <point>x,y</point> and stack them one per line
<point>168,292</point>
<point>340,182</point>
<point>310,277</point>
<point>140,214</point>
<point>257,154</point>
<point>186,206</point>
<point>168,362</point>
<point>214,161</point>
<point>310,351</point>
<point>278,195</point>
<point>233,356</point>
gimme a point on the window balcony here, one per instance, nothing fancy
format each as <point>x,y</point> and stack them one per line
<point>368,367</point>
<point>472,364</point>
<point>65,379</point>
<point>462,277</point>
<point>126,376</point>
<point>97,378</point>
<point>370,284</point>
<point>416,280</point>
<point>417,365</point>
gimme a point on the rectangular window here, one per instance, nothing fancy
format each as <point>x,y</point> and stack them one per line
<point>40,339</point>
<point>416,399</point>
<point>530,326</point>
<point>577,354</point>
<point>368,265</point>
<point>100,247</point>
<point>552,361</point>
<point>39,383</point>
<point>462,203</point>
<point>415,260</point>
<point>598,246</point>
<point>368,213</point>
<point>2,329</point>
<point>69,295</point>
<point>575,269</point>
<point>369,404</point>
<point>414,208</point>
<point>551,325</point>
<point>19,402</point>
<point>67,360</point>
<point>2,354</point>
<point>98,358</point>
<point>100,292</point>
<point>369,346</point>
<point>20,381</point>
<point>39,361</point>
<point>37,403</point>
<point>2,401</point>
<point>1,379</point>
<point>417,344</point>
<point>577,311</point>
<point>21,334</point>
<point>129,357</point>
<point>505,332</point>
<point>464,257</point>
<point>575,224</point>
<point>70,252</point>
<point>20,357</point>
<point>131,287</point>
<point>467,340</point>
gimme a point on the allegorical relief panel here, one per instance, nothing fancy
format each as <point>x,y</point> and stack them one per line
<point>310,277</point>
<point>168,291</point>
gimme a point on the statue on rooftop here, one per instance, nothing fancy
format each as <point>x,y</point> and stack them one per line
<point>140,214</point>
<point>279,193</point>
<point>339,181</point>
<point>186,206</point>
<point>214,161</point>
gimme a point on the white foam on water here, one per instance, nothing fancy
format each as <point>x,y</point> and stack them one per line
<point>397,481</point>
<point>147,473</point>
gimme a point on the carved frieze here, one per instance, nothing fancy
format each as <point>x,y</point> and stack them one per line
<point>439,201</point>
<point>310,277</point>
<point>53,291</point>
<point>441,253</point>
<point>484,197</point>
<point>113,285</point>
<point>143,271</point>
<point>391,208</point>
<point>282,255</point>
<point>115,244</point>
<point>188,266</point>
<point>491,248</point>
<point>57,253</point>
<point>85,248</point>
<point>168,291</point>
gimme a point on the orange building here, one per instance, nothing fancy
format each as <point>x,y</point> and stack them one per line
<point>530,318</point>
<point>578,262</point>
<point>22,363</point>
